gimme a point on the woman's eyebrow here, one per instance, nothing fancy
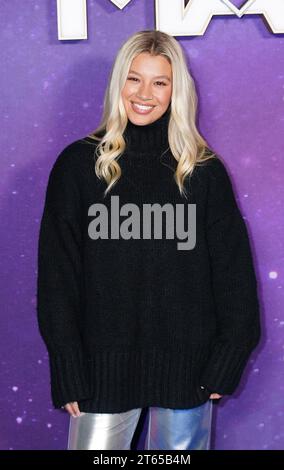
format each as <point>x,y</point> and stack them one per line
<point>158,76</point>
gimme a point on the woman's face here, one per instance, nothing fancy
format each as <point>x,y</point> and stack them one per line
<point>148,83</point>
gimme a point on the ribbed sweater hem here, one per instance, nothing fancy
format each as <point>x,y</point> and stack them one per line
<point>123,380</point>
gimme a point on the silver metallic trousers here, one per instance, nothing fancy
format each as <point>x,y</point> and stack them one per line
<point>170,429</point>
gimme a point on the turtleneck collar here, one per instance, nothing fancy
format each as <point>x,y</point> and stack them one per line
<point>149,138</point>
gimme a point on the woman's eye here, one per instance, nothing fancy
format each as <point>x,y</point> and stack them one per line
<point>158,82</point>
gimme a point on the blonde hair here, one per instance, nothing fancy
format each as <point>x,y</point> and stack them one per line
<point>187,146</point>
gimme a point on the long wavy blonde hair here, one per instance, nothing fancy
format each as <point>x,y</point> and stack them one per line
<point>187,146</point>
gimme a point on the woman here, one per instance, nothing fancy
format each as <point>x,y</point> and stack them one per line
<point>142,311</point>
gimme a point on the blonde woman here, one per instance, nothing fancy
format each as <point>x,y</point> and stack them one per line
<point>147,294</point>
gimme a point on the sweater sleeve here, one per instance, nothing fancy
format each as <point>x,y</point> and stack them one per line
<point>59,284</point>
<point>234,287</point>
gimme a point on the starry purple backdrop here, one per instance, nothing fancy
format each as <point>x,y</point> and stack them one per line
<point>52,94</point>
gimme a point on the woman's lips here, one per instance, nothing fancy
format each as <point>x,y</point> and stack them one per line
<point>139,109</point>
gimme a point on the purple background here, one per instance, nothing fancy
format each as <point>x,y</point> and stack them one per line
<point>52,94</point>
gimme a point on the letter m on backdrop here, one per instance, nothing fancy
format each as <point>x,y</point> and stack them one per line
<point>72,18</point>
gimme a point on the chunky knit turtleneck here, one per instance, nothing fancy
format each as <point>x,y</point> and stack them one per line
<point>149,139</point>
<point>130,320</point>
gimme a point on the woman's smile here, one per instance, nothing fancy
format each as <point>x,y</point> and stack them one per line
<point>141,109</point>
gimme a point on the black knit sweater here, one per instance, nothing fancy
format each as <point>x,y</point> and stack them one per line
<point>134,321</point>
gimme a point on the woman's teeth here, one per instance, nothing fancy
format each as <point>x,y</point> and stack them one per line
<point>141,108</point>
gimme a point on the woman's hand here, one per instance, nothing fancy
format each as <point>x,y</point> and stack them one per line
<point>72,408</point>
<point>215,395</point>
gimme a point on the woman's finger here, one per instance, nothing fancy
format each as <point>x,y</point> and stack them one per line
<point>215,396</point>
<point>76,408</point>
<point>70,408</point>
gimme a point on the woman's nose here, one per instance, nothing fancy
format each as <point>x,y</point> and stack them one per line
<point>145,92</point>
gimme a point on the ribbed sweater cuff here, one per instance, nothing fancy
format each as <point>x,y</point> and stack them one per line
<point>68,377</point>
<point>223,371</point>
